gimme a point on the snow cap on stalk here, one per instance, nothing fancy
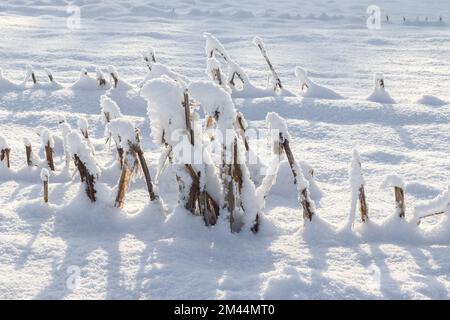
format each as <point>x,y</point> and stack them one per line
<point>164,99</point>
<point>78,146</point>
<point>45,174</point>
<point>392,181</point>
<point>276,122</point>
<point>216,102</point>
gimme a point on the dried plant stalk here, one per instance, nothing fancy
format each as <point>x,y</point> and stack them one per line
<point>400,201</point>
<point>308,211</point>
<point>86,177</point>
<point>363,209</point>
<point>45,191</point>
<point>49,156</point>
<point>4,155</point>
<point>29,151</point>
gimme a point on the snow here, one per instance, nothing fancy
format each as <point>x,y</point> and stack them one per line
<point>309,89</point>
<point>164,97</point>
<point>379,93</point>
<point>86,82</point>
<point>3,144</point>
<point>121,84</point>
<point>235,73</point>
<point>83,125</point>
<point>213,46</point>
<point>123,131</point>
<point>77,145</point>
<point>28,75</point>
<point>46,137</point>
<point>45,174</point>
<point>356,181</point>
<point>212,66</point>
<point>158,70</point>
<point>440,203</point>
<point>26,142</point>
<point>142,252</point>
<point>392,181</point>
<point>109,107</point>
<point>277,125</point>
<point>5,84</point>
<point>431,101</point>
<point>214,100</point>
<point>53,83</point>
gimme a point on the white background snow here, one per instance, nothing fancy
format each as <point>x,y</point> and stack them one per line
<point>73,249</point>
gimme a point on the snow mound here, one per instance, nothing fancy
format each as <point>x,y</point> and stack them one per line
<point>118,83</point>
<point>86,82</point>
<point>431,101</point>
<point>379,93</point>
<point>6,85</point>
<point>309,89</point>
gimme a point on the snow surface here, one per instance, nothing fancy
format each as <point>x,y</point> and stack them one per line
<point>141,252</point>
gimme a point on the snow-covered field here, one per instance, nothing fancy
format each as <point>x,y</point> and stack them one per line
<point>72,249</point>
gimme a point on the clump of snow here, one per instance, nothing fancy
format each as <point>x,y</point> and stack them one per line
<point>3,143</point>
<point>46,138</point>
<point>216,102</point>
<point>379,93</point>
<point>44,175</point>
<point>277,125</point>
<point>257,41</point>
<point>60,118</point>
<point>83,124</point>
<point>356,177</point>
<point>116,81</point>
<point>77,145</point>
<point>213,45</point>
<point>84,82</point>
<point>122,131</point>
<point>284,184</point>
<point>269,180</point>
<point>149,57</point>
<point>164,97</point>
<point>356,181</point>
<point>248,197</point>
<point>28,75</point>
<point>431,101</point>
<point>214,72</point>
<point>212,64</point>
<point>392,181</point>
<point>438,204</point>
<point>101,79</point>
<point>26,142</point>
<point>54,84</point>
<point>109,108</point>
<point>309,89</point>
<point>65,130</point>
